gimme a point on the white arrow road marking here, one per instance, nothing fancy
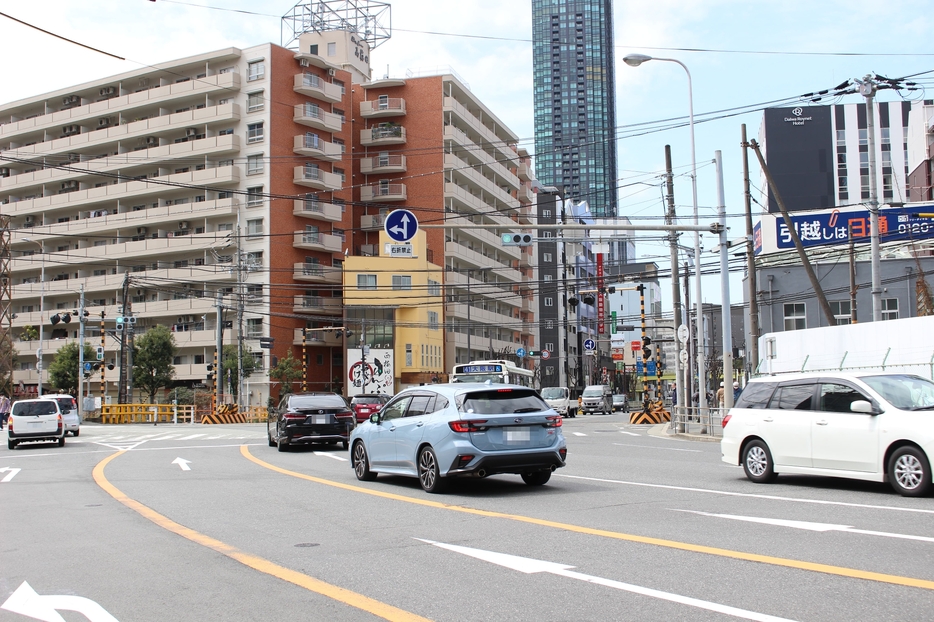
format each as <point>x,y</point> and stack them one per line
<point>330,455</point>
<point>182,463</point>
<point>532,566</point>
<point>26,602</point>
<point>823,527</point>
<point>578,434</point>
<point>10,474</point>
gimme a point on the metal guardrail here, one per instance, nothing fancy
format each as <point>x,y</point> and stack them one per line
<point>698,421</point>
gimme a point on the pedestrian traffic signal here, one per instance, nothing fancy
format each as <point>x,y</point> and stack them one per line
<point>517,239</point>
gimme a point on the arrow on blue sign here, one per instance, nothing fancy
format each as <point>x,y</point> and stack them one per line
<point>401,225</point>
<point>520,352</point>
<point>590,344</point>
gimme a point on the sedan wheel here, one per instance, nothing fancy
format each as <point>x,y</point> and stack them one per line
<point>909,472</point>
<point>757,462</point>
<point>272,443</point>
<point>76,432</point>
<point>536,478</point>
<point>361,465</point>
<point>429,475</point>
<point>280,445</point>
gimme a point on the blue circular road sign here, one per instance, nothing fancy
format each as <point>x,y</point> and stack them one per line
<point>590,344</point>
<point>400,225</point>
<point>520,352</point>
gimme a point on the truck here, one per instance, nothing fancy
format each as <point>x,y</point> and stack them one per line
<point>904,345</point>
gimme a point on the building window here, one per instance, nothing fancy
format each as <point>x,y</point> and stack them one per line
<point>434,288</point>
<point>254,328</point>
<point>340,172</point>
<point>332,48</point>
<point>255,164</point>
<point>890,308</point>
<point>546,257</point>
<point>433,320</point>
<point>547,278</point>
<point>366,281</point>
<point>255,101</point>
<point>401,281</point>
<point>841,311</point>
<point>255,70</point>
<point>254,227</point>
<point>254,132</point>
<point>795,316</point>
<point>841,138</point>
<point>549,301</point>
<point>546,213</point>
<point>408,355</point>
<point>254,196</point>
<point>225,226</point>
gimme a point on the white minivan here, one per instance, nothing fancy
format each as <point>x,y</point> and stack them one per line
<point>559,398</point>
<point>35,420</point>
<point>869,426</point>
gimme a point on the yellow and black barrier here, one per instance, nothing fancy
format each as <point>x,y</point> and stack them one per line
<point>652,414</point>
<point>137,413</point>
<point>226,413</point>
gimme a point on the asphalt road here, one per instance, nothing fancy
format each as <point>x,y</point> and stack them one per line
<point>638,526</point>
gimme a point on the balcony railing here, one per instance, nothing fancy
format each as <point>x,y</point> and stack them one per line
<point>383,164</point>
<point>383,192</point>
<point>383,135</point>
<point>388,107</point>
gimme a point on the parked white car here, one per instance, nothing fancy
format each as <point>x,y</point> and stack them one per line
<point>69,408</point>
<point>873,426</point>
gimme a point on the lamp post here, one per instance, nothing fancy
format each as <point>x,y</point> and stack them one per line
<point>41,310</point>
<point>634,60</point>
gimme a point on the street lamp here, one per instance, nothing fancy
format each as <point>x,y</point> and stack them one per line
<point>634,60</point>
<point>41,310</point>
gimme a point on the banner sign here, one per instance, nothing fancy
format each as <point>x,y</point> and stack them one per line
<point>836,227</point>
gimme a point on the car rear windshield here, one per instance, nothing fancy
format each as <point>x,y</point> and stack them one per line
<point>65,403</point>
<point>317,402</point>
<point>756,395</point>
<point>501,401</point>
<point>32,409</point>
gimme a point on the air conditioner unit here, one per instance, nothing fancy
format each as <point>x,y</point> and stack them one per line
<point>4,172</point>
<point>70,130</point>
<point>183,225</point>
<point>30,220</point>
<point>70,185</point>
<point>71,100</point>
<point>191,132</point>
<point>180,319</point>
<point>144,81</point>
<point>152,141</point>
<point>303,62</point>
<point>108,91</point>
<point>105,122</point>
<point>142,231</point>
<point>332,72</point>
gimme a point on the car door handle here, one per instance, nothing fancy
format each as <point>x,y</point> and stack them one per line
<point>768,420</point>
<point>392,429</point>
<point>822,422</point>
<point>419,424</point>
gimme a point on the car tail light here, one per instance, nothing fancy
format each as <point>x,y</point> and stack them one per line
<point>475,425</point>
<point>293,417</point>
<point>10,424</point>
<point>60,423</point>
<point>554,422</point>
<point>343,415</point>
<point>726,420</point>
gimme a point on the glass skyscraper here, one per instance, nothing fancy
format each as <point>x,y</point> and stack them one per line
<point>575,102</point>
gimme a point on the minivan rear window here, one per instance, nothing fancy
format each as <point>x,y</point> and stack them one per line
<point>32,409</point>
<point>501,401</point>
<point>756,395</point>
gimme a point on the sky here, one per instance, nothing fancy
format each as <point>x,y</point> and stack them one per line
<point>742,55</point>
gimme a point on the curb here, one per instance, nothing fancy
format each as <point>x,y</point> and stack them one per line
<point>663,430</point>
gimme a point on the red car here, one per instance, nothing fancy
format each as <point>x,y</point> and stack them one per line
<point>365,405</point>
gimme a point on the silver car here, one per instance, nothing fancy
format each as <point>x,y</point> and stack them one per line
<point>35,420</point>
<point>69,407</point>
<point>442,431</point>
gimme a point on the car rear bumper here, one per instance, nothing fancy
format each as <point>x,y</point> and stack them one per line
<point>512,463</point>
<point>43,436</point>
<point>322,434</point>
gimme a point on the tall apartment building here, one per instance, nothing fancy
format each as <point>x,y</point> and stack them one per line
<point>227,188</point>
<point>575,102</point>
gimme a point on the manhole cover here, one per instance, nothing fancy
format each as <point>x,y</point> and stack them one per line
<point>305,545</point>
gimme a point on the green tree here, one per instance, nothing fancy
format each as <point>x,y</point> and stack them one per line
<point>8,361</point>
<point>30,333</point>
<point>63,371</point>
<point>229,367</point>
<point>152,360</point>
<point>184,395</point>
<point>286,372</point>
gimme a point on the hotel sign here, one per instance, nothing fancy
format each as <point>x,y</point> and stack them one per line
<point>798,117</point>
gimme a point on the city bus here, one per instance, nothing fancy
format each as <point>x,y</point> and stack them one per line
<point>498,372</point>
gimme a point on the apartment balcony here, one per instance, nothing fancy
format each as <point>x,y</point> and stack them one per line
<point>317,273</point>
<point>312,85</point>
<point>314,241</point>
<point>383,164</point>
<point>317,210</point>
<point>195,338</point>
<point>382,135</point>
<point>318,305</point>
<point>311,115</point>
<point>316,337</point>
<point>464,173</point>
<point>312,177</point>
<point>312,146</point>
<point>484,133</point>
<point>124,105</point>
<point>494,162</point>
<point>383,192</point>
<point>525,194</point>
<point>372,222</point>
<point>523,171</point>
<point>375,109</point>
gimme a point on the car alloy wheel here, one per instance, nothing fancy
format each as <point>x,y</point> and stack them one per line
<point>909,472</point>
<point>429,475</point>
<point>361,464</point>
<point>757,462</point>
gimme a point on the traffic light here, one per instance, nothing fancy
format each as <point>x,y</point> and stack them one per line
<point>210,371</point>
<point>517,239</point>
<point>60,317</point>
<point>646,350</point>
<point>120,322</point>
<point>534,353</point>
<point>100,353</point>
<point>589,299</point>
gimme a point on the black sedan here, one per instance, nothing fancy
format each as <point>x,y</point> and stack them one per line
<point>306,418</point>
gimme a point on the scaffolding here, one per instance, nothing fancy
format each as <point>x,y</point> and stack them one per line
<point>369,20</point>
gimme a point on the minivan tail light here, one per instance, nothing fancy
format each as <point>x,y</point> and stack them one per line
<point>60,423</point>
<point>726,420</point>
<point>474,425</point>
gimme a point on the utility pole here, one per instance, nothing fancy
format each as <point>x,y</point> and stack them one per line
<point>867,88</point>
<point>670,218</point>
<point>364,376</point>
<point>121,386</point>
<point>752,350</point>
<point>80,396</point>
<point>726,320</point>
<point>103,361</point>
<point>219,353</point>
<point>239,319</point>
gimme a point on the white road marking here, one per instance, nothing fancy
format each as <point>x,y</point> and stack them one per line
<point>164,437</point>
<point>182,463</point>
<point>578,434</point>
<point>124,446</point>
<point>808,526</point>
<point>727,493</point>
<point>696,451</point>
<point>10,474</point>
<point>532,566</point>
<point>26,602</point>
<point>191,436</point>
<point>330,455</point>
<point>629,433</point>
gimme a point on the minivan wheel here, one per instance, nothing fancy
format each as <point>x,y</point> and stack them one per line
<point>10,444</point>
<point>61,441</point>
<point>909,472</point>
<point>757,462</point>
<point>361,464</point>
<point>536,478</point>
<point>429,475</point>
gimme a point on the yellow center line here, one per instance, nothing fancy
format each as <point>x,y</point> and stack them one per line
<point>348,597</point>
<point>671,544</point>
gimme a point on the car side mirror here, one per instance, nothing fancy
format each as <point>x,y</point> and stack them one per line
<point>374,418</point>
<point>863,406</point>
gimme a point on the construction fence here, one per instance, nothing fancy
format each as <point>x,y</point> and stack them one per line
<point>181,413</point>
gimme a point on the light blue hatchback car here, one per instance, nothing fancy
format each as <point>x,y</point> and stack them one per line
<point>441,431</point>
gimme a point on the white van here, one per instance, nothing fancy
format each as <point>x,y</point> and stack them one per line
<point>559,398</point>
<point>597,398</point>
<point>35,420</point>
